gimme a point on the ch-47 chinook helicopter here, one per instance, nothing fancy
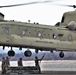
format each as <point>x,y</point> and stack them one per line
<point>60,37</point>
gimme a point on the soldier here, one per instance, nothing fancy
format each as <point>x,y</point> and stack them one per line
<point>7,62</point>
<point>37,62</point>
<point>3,65</point>
<point>20,62</point>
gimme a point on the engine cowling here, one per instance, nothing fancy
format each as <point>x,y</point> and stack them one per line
<point>27,53</point>
<point>11,53</point>
<point>72,25</point>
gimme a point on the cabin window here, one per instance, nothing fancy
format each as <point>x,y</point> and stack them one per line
<point>54,36</point>
<point>39,34</point>
<point>69,37</point>
<point>23,32</point>
<point>6,30</point>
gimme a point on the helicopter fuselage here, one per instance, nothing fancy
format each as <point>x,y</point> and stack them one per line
<point>42,37</point>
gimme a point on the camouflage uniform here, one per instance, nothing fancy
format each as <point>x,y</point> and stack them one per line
<point>37,63</point>
<point>7,62</point>
<point>3,65</point>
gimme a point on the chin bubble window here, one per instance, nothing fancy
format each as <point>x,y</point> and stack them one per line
<point>54,36</point>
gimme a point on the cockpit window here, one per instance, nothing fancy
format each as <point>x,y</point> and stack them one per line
<point>62,19</point>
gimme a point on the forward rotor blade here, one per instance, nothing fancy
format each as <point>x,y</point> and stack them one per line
<point>30,3</point>
<point>74,6</point>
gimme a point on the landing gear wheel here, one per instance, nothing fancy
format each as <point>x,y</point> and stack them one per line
<point>27,53</point>
<point>61,54</point>
<point>11,53</point>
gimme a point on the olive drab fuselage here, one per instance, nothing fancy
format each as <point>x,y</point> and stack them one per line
<point>37,36</point>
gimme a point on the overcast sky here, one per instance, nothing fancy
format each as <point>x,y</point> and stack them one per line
<point>43,13</point>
